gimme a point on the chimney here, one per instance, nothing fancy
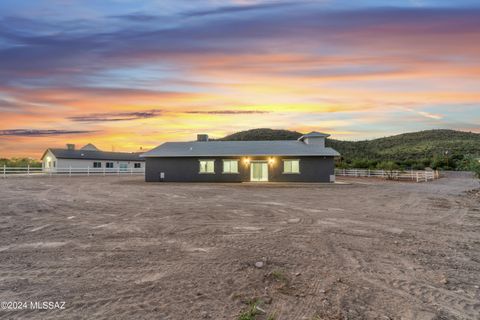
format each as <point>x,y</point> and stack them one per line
<point>70,146</point>
<point>202,137</point>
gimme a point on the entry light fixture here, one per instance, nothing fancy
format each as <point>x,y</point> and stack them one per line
<point>271,160</point>
<point>246,160</point>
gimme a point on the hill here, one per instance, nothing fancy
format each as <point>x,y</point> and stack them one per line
<point>447,149</point>
<point>263,134</point>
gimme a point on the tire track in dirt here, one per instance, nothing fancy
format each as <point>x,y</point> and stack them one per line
<point>453,303</point>
<point>163,251</point>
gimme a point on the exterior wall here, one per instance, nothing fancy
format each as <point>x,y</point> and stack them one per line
<point>49,161</point>
<point>312,169</point>
<point>85,163</point>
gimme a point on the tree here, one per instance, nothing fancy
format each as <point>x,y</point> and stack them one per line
<point>390,168</point>
<point>20,162</point>
<point>475,168</point>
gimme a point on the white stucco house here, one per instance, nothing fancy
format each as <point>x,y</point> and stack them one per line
<point>89,157</point>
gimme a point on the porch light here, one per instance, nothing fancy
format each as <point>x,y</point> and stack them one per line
<point>271,160</point>
<point>246,160</point>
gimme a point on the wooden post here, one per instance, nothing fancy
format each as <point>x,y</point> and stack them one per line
<point>131,170</point>
<point>118,170</point>
<point>426,176</point>
<point>417,176</point>
<point>4,171</point>
<point>28,170</point>
<point>88,170</point>
<point>104,171</point>
<point>70,171</point>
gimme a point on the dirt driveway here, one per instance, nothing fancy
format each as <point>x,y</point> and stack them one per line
<point>116,247</point>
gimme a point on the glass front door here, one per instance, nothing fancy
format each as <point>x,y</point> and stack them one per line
<point>259,171</point>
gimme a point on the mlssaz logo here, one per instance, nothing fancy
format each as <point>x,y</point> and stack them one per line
<point>47,305</point>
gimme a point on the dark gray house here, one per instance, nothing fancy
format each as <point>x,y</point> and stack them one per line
<point>304,160</point>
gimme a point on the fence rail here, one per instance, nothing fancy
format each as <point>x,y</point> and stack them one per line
<point>35,171</point>
<point>413,175</point>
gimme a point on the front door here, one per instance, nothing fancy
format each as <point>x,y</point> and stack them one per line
<point>259,171</point>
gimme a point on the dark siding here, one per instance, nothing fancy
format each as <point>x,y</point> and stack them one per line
<point>312,169</point>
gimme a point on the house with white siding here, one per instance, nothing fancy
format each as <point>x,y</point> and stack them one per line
<point>90,157</point>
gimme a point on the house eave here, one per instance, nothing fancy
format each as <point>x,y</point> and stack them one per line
<point>240,155</point>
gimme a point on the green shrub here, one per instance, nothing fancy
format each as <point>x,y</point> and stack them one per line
<point>475,168</point>
<point>388,166</point>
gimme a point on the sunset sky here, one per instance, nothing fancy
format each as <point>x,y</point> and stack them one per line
<point>126,74</point>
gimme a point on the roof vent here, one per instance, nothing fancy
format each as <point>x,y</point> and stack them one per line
<point>70,146</point>
<point>314,138</point>
<point>89,147</point>
<point>202,137</point>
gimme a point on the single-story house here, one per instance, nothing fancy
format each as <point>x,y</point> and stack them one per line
<point>303,160</point>
<point>89,157</point>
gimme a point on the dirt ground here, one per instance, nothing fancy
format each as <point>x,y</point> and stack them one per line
<point>117,247</point>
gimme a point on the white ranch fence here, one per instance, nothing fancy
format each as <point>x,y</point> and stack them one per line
<point>35,171</point>
<point>412,175</point>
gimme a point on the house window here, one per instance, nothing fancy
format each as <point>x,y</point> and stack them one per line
<point>291,166</point>
<point>230,166</point>
<point>137,165</point>
<point>207,166</point>
<point>97,164</point>
<point>54,164</point>
<point>109,165</point>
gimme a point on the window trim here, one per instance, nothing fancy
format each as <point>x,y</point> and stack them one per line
<point>107,165</point>
<point>283,171</point>
<point>137,165</point>
<point>95,166</point>
<point>229,172</point>
<point>200,160</point>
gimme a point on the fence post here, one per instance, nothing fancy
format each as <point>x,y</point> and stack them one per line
<point>88,170</point>
<point>417,176</point>
<point>70,171</point>
<point>131,170</point>
<point>426,176</point>
<point>4,171</point>
<point>28,170</point>
<point>118,170</point>
<point>104,171</point>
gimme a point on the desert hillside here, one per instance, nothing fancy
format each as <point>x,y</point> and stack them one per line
<point>447,149</point>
